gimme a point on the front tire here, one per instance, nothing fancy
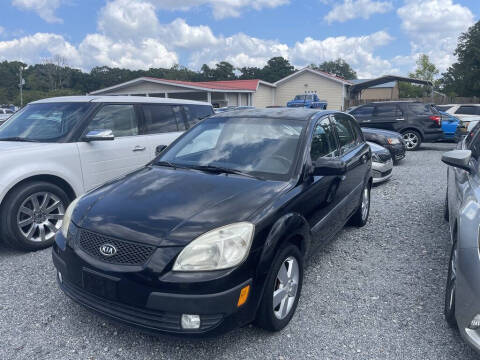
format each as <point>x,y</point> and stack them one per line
<point>282,290</point>
<point>450,289</point>
<point>412,139</point>
<point>31,215</point>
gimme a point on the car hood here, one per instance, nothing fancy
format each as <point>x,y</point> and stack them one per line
<point>171,207</point>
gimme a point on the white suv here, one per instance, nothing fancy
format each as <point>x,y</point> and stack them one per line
<point>54,150</point>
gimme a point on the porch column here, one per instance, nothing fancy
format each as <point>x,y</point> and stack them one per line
<point>239,99</point>
<point>209,97</point>
<point>166,95</point>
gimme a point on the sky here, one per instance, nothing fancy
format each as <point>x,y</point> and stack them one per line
<point>376,37</point>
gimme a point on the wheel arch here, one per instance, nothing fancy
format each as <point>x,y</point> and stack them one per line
<point>53,179</point>
<point>413,128</point>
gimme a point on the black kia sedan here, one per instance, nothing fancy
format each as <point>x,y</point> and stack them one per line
<point>213,233</point>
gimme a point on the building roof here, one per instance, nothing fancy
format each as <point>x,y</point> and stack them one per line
<point>390,84</point>
<point>316,72</point>
<point>219,86</point>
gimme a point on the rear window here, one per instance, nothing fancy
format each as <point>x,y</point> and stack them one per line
<point>468,110</point>
<point>419,108</point>
<point>443,107</point>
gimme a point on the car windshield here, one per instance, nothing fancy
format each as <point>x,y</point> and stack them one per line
<point>43,122</point>
<point>260,147</point>
<point>303,97</point>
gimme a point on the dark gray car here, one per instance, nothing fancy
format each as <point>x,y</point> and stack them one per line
<point>462,209</point>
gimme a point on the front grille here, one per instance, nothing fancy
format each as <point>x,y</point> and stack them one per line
<point>384,157</point>
<point>128,253</point>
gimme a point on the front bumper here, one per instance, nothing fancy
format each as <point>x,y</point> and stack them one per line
<point>398,151</point>
<point>136,303</point>
<point>381,171</point>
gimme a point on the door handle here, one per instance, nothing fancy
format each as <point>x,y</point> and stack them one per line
<point>139,148</point>
<point>400,119</point>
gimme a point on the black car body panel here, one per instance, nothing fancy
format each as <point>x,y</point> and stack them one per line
<point>156,211</point>
<point>380,137</point>
<point>400,116</point>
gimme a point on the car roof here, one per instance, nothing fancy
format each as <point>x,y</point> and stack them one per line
<point>276,113</point>
<point>119,99</point>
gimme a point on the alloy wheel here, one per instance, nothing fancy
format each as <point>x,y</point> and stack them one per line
<point>286,287</point>
<point>452,277</point>
<point>365,203</point>
<point>40,216</point>
<point>411,140</point>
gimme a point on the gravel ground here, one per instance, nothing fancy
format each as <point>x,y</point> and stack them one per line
<point>373,293</point>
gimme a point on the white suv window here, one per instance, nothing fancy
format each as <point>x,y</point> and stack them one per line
<point>121,119</point>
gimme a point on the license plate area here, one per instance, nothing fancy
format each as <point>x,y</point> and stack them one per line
<point>99,284</point>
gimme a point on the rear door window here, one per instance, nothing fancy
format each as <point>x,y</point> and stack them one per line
<point>363,111</point>
<point>159,118</point>
<point>386,111</point>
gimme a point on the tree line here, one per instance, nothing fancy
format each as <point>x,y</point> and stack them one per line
<point>53,77</point>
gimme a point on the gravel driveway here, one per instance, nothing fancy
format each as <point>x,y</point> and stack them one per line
<point>373,293</point>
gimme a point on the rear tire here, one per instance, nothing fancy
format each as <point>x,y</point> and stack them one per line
<point>413,139</point>
<point>275,314</point>
<point>31,214</point>
<point>360,217</point>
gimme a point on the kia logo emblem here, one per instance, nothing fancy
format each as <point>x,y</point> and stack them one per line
<point>108,250</point>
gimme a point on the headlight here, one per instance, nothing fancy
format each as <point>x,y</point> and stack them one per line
<point>375,157</point>
<point>393,141</point>
<point>68,216</point>
<point>218,249</point>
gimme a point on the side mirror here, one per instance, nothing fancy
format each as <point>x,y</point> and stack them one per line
<point>459,159</point>
<point>99,135</point>
<point>159,149</point>
<point>328,166</point>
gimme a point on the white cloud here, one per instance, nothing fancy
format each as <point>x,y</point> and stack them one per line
<point>31,49</point>
<point>97,49</point>
<point>357,51</point>
<point>433,27</point>
<point>351,9</point>
<point>131,36</point>
<point>220,8</point>
<point>44,8</point>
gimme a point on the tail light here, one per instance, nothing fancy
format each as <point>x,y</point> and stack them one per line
<point>437,119</point>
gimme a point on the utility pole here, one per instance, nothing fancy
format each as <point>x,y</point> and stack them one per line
<point>20,85</point>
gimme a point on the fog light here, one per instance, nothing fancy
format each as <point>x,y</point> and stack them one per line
<point>190,321</point>
<point>475,323</point>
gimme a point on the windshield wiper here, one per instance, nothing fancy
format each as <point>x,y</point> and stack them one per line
<point>220,169</point>
<point>18,138</point>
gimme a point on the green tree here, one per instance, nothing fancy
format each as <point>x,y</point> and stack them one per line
<point>277,68</point>
<point>463,77</point>
<point>338,67</point>
<point>425,70</point>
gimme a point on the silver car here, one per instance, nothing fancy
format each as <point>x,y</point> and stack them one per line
<point>382,163</point>
<point>462,210</point>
